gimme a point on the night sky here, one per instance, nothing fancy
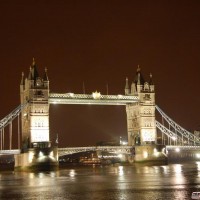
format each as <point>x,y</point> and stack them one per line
<point>98,43</point>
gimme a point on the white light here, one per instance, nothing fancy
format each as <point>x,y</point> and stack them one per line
<point>156,153</point>
<point>163,150</point>
<point>71,94</point>
<point>121,172</point>
<point>198,155</point>
<point>124,143</point>
<point>177,150</point>
<point>174,138</point>
<point>51,154</point>
<point>72,173</point>
<point>30,157</point>
<point>96,95</point>
<point>119,96</point>
<point>120,156</point>
<point>40,154</point>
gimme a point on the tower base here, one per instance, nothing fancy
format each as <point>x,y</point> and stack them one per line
<point>37,159</point>
<point>150,153</point>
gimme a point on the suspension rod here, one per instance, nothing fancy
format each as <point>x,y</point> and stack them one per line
<point>10,131</point>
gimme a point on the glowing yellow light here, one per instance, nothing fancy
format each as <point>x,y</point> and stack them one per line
<point>121,172</point>
<point>30,157</point>
<point>177,150</point>
<point>51,154</point>
<point>145,154</point>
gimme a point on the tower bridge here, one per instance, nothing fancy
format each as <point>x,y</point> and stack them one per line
<point>149,138</point>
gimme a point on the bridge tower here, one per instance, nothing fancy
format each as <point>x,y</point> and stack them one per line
<point>35,117</point>
<point>37,152</point>
<point>141,115</point>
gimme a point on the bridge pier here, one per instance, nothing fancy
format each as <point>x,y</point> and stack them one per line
<point>38,158</point>
<point>150,153</point>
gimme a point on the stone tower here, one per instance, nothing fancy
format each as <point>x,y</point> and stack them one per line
<point>141,115</point>
<point>34,91</point>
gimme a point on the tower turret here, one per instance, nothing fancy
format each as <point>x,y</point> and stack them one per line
<point>46,79</point>
<point>151,84</point>
<point>22,84</point>
<point>133,89</point>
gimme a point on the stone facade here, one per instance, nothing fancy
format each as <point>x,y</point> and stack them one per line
<point>34,90</point>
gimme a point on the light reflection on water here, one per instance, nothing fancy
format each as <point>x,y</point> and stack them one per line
<point>174,181</point>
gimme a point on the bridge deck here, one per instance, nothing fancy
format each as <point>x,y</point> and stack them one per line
<point>111,149</point>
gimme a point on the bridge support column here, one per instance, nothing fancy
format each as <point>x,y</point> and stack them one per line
<point>10,136</point>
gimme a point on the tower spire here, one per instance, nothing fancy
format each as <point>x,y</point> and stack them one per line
<point>83,87</point>
<point>126,86</point>
<point>127,91</point>
<point>138,68</point>
<point>22,80</point>
<point>30,74</point>
<point>45,78</point>
<point>139,80</point>
<point>150,80</point>
<point>33,63</point>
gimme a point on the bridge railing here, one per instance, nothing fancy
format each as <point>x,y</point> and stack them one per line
<point>10,152</point>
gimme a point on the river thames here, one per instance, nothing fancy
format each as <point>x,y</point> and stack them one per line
<point>173,181</point>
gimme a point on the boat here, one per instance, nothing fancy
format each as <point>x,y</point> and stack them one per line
<point>195,195</point>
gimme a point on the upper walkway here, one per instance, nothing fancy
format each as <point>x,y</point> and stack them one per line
<point>95,98</point>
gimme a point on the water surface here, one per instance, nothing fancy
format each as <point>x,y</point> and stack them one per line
<point>173,181</point>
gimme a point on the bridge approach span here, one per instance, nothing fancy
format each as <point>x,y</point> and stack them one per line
<point>10,152</point>
<point>110,149</point>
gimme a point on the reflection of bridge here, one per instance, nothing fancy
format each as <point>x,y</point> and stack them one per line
<point>139,100</point>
